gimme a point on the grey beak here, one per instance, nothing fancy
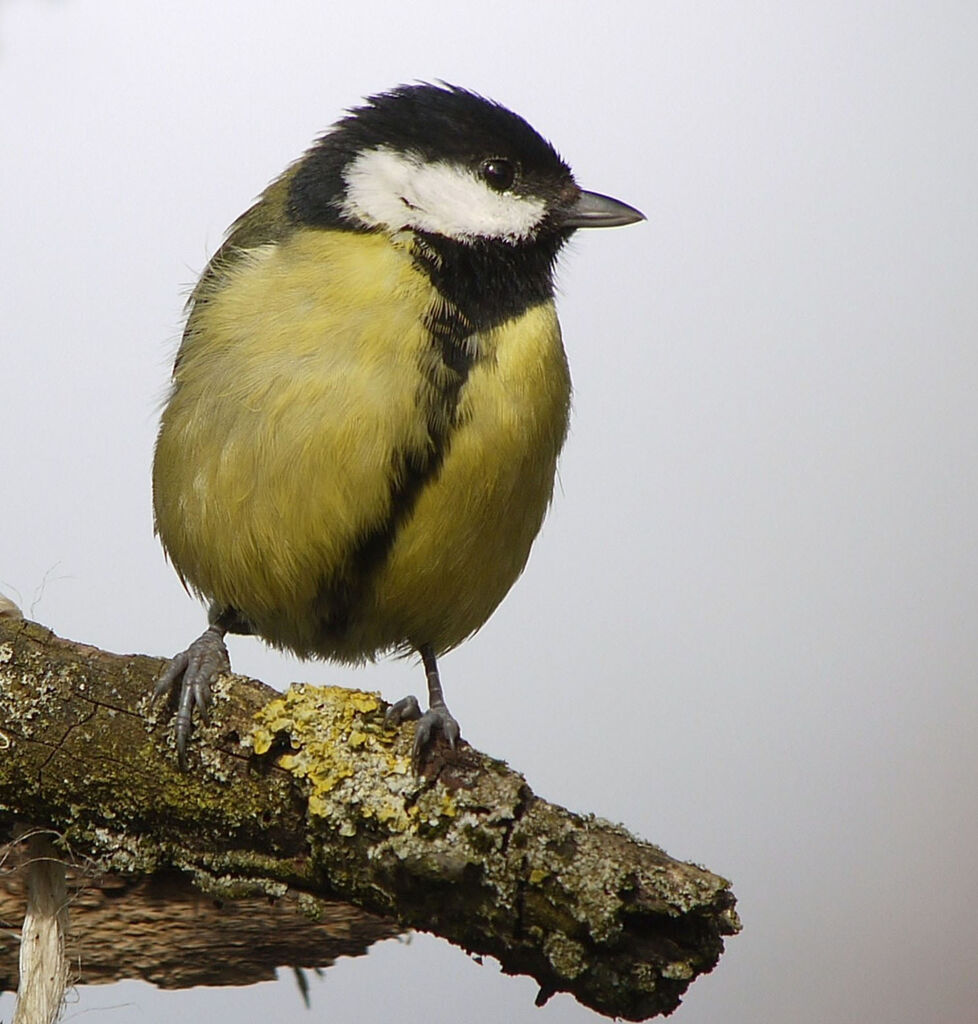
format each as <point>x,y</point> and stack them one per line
<point>593,210</point>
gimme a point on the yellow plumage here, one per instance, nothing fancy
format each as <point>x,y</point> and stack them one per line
<point>300,373</point>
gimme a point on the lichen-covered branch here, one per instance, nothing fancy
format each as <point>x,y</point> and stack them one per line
<point>307,793</point>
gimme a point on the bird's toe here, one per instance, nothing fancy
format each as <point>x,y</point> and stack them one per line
<point>194,670</point>
<point>407,709</point>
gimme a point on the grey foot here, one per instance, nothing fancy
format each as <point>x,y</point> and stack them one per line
<point>435,720</point>
<point>196,669</point>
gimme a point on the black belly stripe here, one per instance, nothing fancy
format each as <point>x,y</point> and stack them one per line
<point>480,286</point>
<point>445,368</point>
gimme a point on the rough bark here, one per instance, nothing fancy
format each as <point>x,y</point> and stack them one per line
<point>306,798</point>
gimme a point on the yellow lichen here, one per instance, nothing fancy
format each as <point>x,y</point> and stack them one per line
<point>354,766</point>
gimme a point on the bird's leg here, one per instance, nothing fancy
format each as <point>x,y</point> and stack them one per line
<point>436,719</point>
<point>196,669</point>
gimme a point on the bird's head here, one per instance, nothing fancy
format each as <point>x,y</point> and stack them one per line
<point>446,164</point>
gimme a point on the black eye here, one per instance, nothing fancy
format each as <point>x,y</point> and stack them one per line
<point>498,173</point>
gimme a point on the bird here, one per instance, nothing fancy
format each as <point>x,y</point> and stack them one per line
<point>360,440</point>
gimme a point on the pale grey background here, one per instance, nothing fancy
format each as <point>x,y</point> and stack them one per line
<point>748,630</point>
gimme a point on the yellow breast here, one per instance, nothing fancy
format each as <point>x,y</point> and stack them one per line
<point>299,376</point>
<point>471,531</point>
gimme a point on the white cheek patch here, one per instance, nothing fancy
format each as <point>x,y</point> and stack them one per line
<point>397,190</point>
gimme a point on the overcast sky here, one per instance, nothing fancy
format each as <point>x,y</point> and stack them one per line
<point>748,630</point>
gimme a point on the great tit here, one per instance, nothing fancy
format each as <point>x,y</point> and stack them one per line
<point>371,393</point>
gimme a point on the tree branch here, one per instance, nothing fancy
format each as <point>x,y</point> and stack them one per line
<point>306,796</point>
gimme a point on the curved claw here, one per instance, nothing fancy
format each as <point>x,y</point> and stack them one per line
<point>195,669</point>
<point>434,720</point>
